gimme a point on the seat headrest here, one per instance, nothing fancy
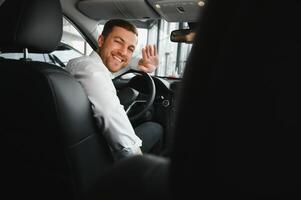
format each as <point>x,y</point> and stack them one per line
<point>32,24</point>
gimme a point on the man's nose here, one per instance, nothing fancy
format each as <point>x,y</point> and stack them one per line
<point>123,50</point>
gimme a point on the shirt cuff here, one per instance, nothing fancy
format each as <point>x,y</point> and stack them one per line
<point>126,152</point>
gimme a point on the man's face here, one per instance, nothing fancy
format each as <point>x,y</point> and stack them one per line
<point>117,48</point>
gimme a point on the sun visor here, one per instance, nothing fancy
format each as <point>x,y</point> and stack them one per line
<point>178,11</point>
<point>108,9</point>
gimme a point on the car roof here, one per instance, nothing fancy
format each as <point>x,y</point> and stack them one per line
<point>170,10</point>
<point>87,14</point>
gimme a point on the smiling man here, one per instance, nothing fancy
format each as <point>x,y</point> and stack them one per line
<point>117,47</point>
<point>116,44</point>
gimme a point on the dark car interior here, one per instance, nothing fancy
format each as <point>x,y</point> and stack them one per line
<point>51,144</point>
<point>237,116</point>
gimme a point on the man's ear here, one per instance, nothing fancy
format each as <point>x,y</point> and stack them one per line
<point>100,40</point>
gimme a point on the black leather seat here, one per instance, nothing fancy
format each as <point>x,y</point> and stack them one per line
<point>50,145</point>
<point>238,118</point>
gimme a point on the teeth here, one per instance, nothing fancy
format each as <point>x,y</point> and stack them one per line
<point>116,58</point>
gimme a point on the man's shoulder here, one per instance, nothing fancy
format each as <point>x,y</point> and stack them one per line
<point>89,64</point>
<point>79,63</point>
<point>77,60</point>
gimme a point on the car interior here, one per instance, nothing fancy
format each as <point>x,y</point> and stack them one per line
<point>55,145</point>
<point>82,15</point>
<point>234,127</point>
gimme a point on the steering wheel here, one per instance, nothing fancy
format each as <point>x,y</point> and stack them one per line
<point>136,99</point>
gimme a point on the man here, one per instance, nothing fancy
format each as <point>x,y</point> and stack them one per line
<point>116,46</point>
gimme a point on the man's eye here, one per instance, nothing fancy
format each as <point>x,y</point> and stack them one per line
<point>131,50</point>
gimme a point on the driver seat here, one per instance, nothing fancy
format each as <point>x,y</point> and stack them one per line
<point>51,146</point>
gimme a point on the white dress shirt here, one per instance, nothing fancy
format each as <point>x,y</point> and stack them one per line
<point>96,80</point>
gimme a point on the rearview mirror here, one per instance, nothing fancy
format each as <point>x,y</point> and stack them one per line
<point>182,35</point>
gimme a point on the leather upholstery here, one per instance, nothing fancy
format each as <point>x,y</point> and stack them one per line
<point>33,24</point>
<point>51,146</point>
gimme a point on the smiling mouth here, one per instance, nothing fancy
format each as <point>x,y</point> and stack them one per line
<point>118,59</point>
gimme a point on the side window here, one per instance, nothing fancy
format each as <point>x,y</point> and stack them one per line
<point>37,57</point>
<point>32,56</point>
<point>63,54</point>
<point>73,38</point>
<point>72,45</point>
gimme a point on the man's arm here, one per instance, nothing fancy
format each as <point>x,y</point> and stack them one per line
<point>106,107</point>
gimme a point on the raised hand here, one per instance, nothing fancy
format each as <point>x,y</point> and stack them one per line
<point>150,59</point>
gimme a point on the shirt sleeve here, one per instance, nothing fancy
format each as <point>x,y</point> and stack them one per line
<point>108,111</point>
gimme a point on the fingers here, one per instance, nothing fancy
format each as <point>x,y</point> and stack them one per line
<point>155,50</point>
<point>149,51</point>
<point>150,59</point>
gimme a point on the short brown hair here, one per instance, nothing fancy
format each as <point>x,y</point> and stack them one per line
<point>109,25</point>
